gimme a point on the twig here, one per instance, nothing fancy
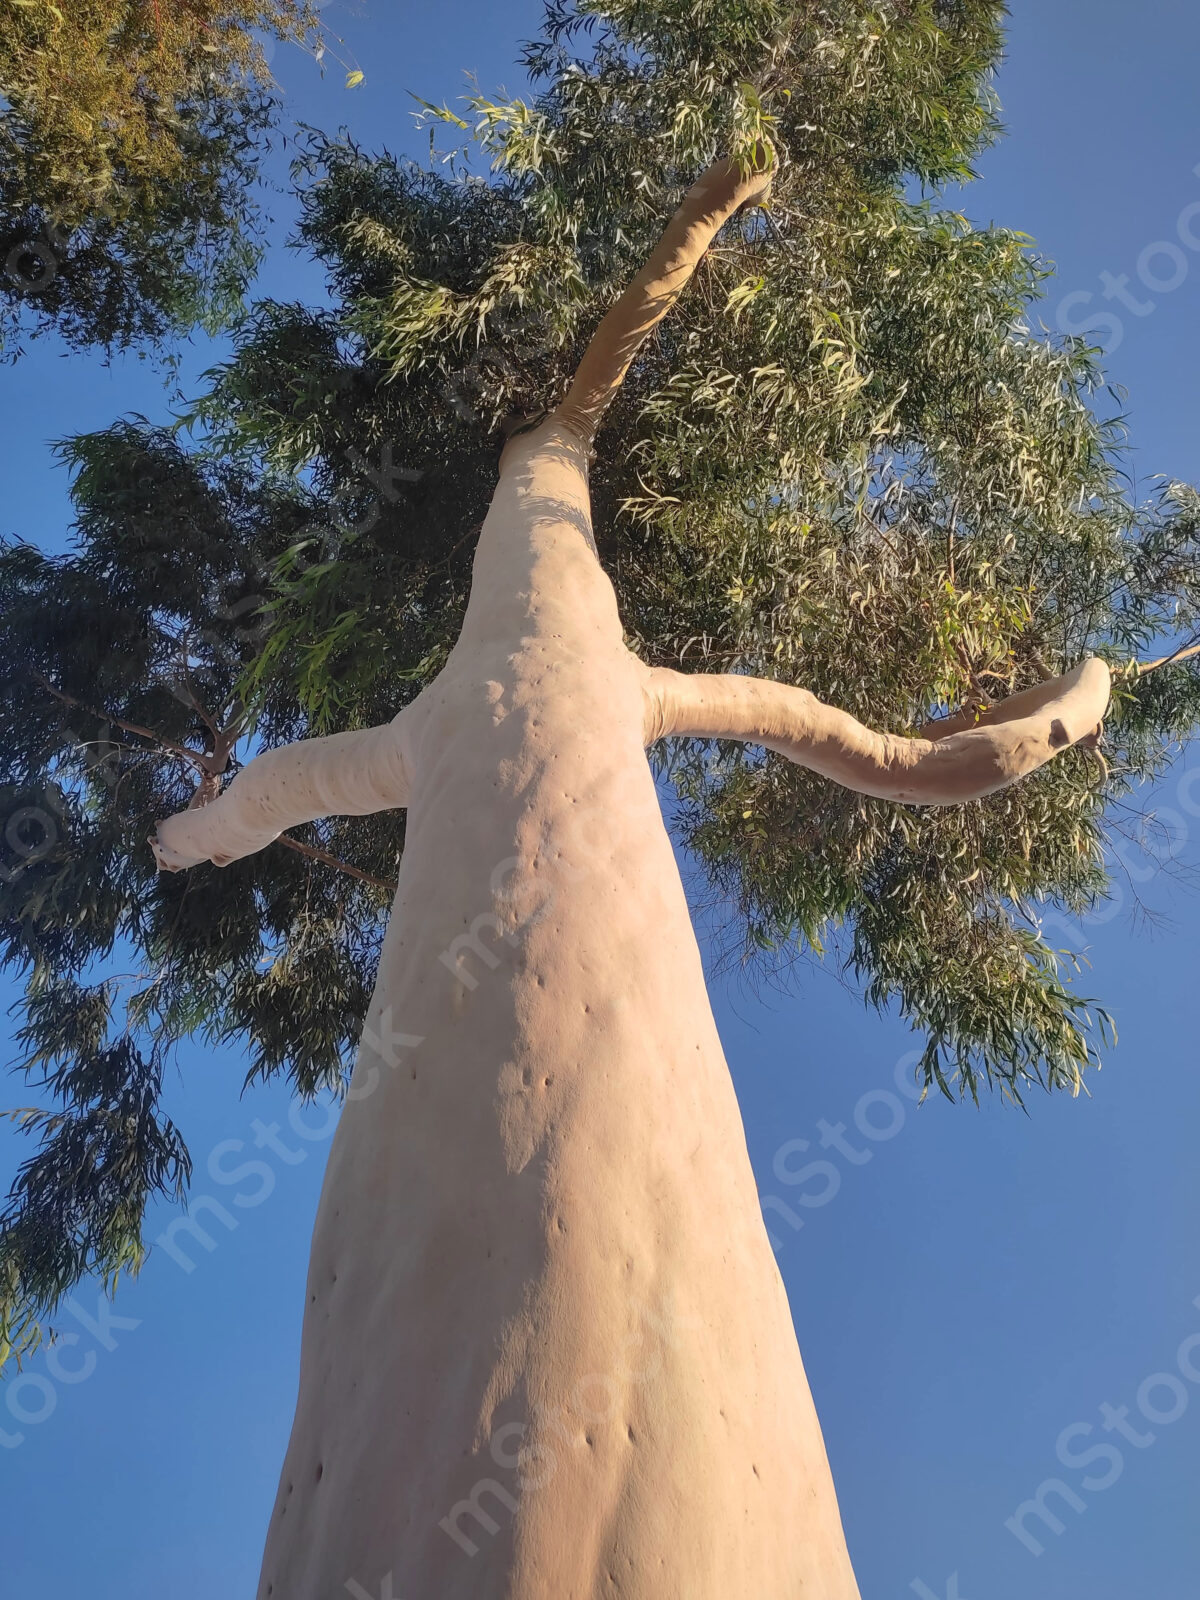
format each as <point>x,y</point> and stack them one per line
<point>205,715</point>
<point>951,522</point>
<point>194,756</point>
<point>316,854</point>
<point>1182,654</point>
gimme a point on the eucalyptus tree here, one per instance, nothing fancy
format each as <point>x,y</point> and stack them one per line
<point>793,495</point>
<point>130,134</point>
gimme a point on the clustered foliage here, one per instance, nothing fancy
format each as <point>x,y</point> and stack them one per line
<point>129,135</point>
<point>849,460</point>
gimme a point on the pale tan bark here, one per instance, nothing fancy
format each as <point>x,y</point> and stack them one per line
<point>540,1281</point>
<point>547,1353</point>
<point>347,774</point>
<point>962,758</point>
<point>723,191</point>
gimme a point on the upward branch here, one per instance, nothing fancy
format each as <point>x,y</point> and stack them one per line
<point>713,199</point>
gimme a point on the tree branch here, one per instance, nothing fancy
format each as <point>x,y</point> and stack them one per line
<point>316,854</point>
<point>208,791</point>
<point>708,205</point>
<point>973,754</point>
<point>1143,667</point>
<point>347,774</point>
<point>197,759</point>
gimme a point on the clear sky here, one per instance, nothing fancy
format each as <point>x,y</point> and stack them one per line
<point>986,1301</point>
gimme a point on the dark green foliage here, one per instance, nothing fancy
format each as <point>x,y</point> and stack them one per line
<point>142,634</point>
<point>176,255</point>
<point>847,461</point>
<point>78,1203</point>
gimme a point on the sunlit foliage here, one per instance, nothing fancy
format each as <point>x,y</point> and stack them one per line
<point>129,134</point>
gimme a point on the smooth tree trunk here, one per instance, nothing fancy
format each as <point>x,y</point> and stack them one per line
<point>547,1352</point>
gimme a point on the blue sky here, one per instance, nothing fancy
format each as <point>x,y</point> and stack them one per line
<point>977,1293</point>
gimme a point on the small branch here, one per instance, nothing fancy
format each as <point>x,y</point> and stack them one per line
<point>1182,654</point>
<point>202,711</point>
<point>224,739</point>
<point>951,522</point>
<point>323,856</point>
<point>878,530</point>
<point>194,756</point>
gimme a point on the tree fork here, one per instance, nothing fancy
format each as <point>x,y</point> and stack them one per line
<point>547,1351</point>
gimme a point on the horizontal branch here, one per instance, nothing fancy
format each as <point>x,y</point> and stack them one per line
<point>211,767</point>
<point>346,774</point>
<point>970,757</point>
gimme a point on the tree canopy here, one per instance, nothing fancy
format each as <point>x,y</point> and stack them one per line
<point>850,460</point>
<point>130,132</point>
